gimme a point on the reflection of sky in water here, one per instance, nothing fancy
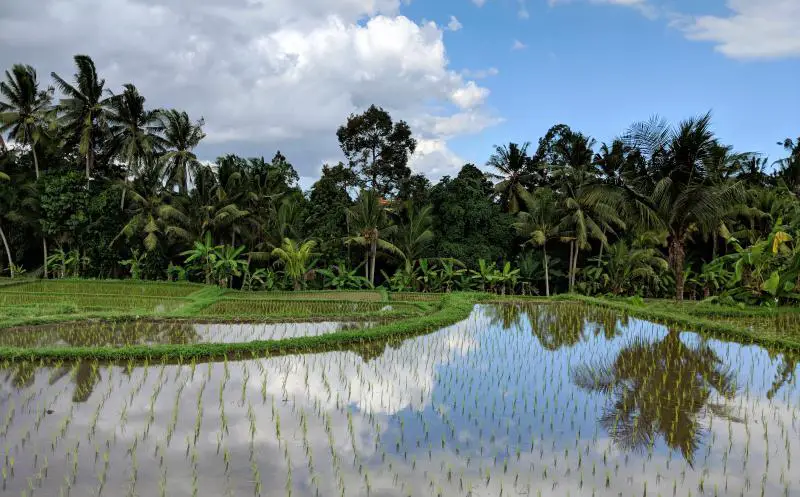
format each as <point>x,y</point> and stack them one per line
<point>480,408</point>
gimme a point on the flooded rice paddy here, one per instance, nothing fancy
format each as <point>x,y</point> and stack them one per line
<point>124,333</point>
<point>537,400</point>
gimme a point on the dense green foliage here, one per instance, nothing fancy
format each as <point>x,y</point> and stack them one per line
<point>95,184</point>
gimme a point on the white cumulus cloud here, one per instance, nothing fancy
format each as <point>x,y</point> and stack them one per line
<point>265,74</point>
<point>753,29</point>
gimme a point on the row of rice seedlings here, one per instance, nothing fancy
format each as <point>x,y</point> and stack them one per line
<point>496,405</point>
<point>349,295</point>
<point>308,308</point>
<point>105,287</point>
<point>416,297</point>
<point>94,302</point>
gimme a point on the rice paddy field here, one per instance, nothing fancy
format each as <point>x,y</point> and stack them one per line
<point>536,399</point>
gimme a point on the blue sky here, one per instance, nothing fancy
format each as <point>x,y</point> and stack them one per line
<point>600,67</point>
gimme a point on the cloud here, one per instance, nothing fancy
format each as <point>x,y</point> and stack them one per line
<point>479,3</point>
<point>518,45</point>
<point>643,6</point>
<point>265,74</point>
<point>454,24</point>
<point>522,12</point>
<point>753,29</point>
<point>480,73</point>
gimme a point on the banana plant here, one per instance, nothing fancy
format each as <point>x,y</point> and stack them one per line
<point>486,275</point>
<point>135,264</point>
<point>452,275</point>
<point>203,256</point>
<point>767,271</point>
<point>228,264</point>
<point>342,278</point>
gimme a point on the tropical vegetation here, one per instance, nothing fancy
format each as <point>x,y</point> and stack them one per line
<point>96,183</point>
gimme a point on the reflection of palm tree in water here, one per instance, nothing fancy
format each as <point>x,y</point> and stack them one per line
<point>662,388</point>
<point>85,375</point>
<point>785,373</point>
<point>566,324</point>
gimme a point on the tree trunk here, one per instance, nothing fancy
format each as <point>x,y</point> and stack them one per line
<point>366,263</point>
<point>35,161</point>
<point>44,250</point>
<point>89,163</point>
<point>546,271</point>
<point>677,256</point>
<point>575,266</point>
<point>8,252</point>
<point>373,255</point>
<point>569,265</point>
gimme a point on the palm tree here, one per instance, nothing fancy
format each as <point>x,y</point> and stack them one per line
<point>84,109</point>
<point>676,194</point>
<point>23,112</point>
<point>539,223</point>
<point>368,217</point>
<point>294,259</point>
<point>135,131</point>
<point>513,165</point>
<point>147,212</point>
<point>181,137</point>
<point>414,232</point>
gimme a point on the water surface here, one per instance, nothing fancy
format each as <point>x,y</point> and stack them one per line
<point>536,400</point>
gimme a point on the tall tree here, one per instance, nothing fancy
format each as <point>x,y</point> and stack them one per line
<point>513,168</point>
<point>84,109</point>
<point>24,108</point>
<point>378,149</point>
<point>181,136</point>
<point>135,130</point>
<point>676,194</point>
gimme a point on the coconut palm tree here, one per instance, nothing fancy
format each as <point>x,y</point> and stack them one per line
<point>84,109</point>
<point>414,231</point>
<point>295,258</point>
<point>24,108</point>
<point>135,131</point>
<point>147,212</point>
<point>513,167</point>
<point>181,136</point>
<point>676,194</point>
<point>538,223</point>
<point>368,218</point>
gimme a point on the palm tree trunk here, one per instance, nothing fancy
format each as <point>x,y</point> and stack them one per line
<point>35,160</point>
<point>8,252</point>
<point>569,265</point>
<point>677,256</point>
<point>89,161</point>
<point>575,266</point>
<point>44,250</point>
<point>546,271</point>
<point>373,255</point>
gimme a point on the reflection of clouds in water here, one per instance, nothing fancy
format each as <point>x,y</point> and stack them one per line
<point>469,410</point>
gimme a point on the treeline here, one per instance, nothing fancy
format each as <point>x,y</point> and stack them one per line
<point>94,183</point>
